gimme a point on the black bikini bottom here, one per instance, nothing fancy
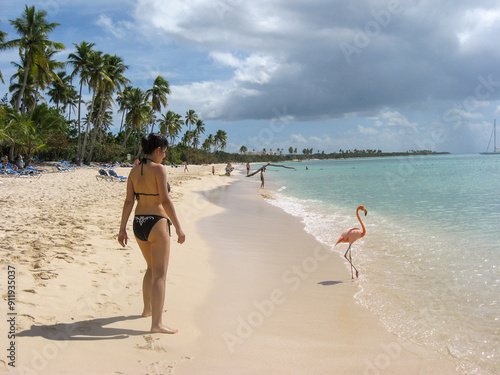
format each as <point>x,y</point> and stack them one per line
<point>144,223</point>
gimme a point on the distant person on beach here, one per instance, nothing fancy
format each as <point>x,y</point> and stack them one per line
<point>186,167</point>
<point>213,170</point>
<point>229,169</point>
<point>136,162</point>
<point>154,214</point>
<point>262,178</point>
<point>20,161</point>
<point>248,169</point>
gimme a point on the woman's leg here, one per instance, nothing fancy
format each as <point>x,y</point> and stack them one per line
<point>147,282</point>
<point>159,240</point>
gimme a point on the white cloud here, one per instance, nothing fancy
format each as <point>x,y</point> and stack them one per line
<point>209,98</point>
<point>367,130</point>
<point>255,68</point>
<point>119,29</point>
<point>297,138</point>
<point>396,120</point>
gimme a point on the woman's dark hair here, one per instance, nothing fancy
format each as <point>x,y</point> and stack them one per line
<point>152,142</point>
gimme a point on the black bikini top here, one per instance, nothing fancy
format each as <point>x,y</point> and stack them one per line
<point>144,161</point>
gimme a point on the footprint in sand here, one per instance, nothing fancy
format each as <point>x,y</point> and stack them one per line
<point>151,344</point>
<point>160,368</point>
<point>45,275</point>
<point>24,321</point>
<point>65,257</point>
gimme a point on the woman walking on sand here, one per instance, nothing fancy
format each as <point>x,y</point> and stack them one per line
<point>147,183</point>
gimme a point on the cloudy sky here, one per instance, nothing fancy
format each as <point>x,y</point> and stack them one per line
<point>393,75</point>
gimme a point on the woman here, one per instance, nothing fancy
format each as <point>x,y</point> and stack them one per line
<point>147,183</point>
<point>229,169</point>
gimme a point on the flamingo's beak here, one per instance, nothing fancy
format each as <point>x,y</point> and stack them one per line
<point>366,211</point>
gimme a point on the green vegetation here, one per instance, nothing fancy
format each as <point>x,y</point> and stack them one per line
<point>29,125</point>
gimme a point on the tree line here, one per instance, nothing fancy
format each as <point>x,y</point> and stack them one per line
<point>30,125</point>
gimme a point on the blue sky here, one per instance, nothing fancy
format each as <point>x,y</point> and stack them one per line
<point>392,75</point>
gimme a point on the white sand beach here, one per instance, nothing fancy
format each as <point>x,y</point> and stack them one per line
<point>250,291</point>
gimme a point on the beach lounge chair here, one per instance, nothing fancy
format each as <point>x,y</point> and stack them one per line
<point>59,168</point>
<point>30,168</point>
<point>113,174</point>
<point>21,173</point>
<point>103,175</point>
<point>64,162</point>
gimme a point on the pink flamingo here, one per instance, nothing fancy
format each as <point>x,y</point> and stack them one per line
<point>351,235</point>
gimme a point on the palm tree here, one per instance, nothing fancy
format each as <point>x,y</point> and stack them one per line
<point>171,125</point>
<point>34,43</point>
<point>5,125</point>
<point>243,149</point>
<point>138,111</point>
<point>71,100</point>
<point>30,94</point>
<point>2,40</point>
<point>220,139</point>
<point>200,129</point>
<point>187,139</point>
<point>123,101</point>
<point>80,62</point>
<point>112,79</point>
<point>209,142</point>
<point>44,70</point>
<point>158,93</point>
<point>61,89</point>
<point>95,75</point>
<point>191,118</point>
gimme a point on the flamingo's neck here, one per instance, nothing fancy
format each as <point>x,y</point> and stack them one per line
<point>362,225</point>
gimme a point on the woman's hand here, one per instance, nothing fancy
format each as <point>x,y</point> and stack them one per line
<point>122,237</point>
<point>181,237</point>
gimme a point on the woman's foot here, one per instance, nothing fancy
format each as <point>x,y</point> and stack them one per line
<point>163,329</point>
<point>146,313</point>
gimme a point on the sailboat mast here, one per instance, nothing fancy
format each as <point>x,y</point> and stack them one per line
<point>495,135</point>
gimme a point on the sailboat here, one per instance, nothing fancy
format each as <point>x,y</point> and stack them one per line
<point>496,151</point>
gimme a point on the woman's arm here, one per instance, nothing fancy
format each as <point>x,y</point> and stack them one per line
<point>128,205</point>
<point>168,204</point>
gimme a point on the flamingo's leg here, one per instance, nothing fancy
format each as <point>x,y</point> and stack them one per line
<point>350,262</point>
<point>353,264</point>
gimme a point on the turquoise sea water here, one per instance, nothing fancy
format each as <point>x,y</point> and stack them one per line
<point>429,262</point>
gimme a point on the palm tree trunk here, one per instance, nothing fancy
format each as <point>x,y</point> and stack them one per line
<point>127,135</point>
<point>100,117</point>
<point>100,144</point>
<point>25,79</point>
<point>87,129</point>
<point>36,99</point>
<point>79,123</point>
<point>121,125</point>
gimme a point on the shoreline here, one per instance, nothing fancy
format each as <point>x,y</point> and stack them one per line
<point>284,303</point>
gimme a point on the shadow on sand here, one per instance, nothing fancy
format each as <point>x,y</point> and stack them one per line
<point>92,329</point>
<point>330,282</point>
